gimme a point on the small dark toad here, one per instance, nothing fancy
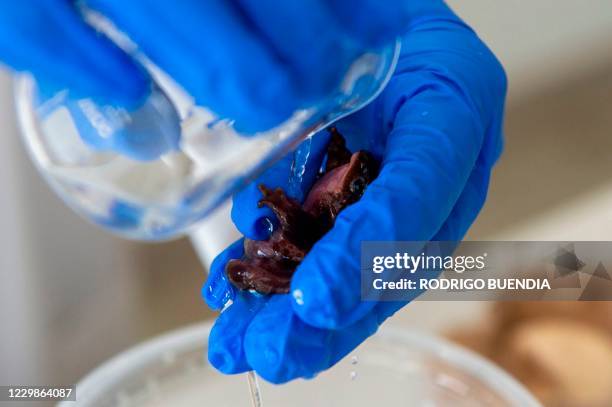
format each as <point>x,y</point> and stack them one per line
<point>268,265</point>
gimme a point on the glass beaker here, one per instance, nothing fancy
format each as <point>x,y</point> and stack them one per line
<point>199,160</point>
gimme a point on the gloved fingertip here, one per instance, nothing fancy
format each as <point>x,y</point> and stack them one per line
<point>266,340</point>
<point>266,362</point>
<point>253,222</point>
<point>219,361</point>
<point>263,227</point>
<point>292,350</point>
<point>258,228</point>
<point>226,354</point>
<point>217,290</point>
<point>153,128</point>
<point>225,342</point>
<point>144,133</point>
<point>280,347</point>
<point>129,85</point>
<point>147,146</point>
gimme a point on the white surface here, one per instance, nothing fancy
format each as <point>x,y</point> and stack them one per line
<point>588,217</point>
<point>18,318</point>
<point>541,42</point>
<point>63,281</point>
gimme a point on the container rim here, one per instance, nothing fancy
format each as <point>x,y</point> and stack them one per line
<point>127,363</point>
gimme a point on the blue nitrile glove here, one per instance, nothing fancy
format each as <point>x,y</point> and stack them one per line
<point>438,128</point>
<point>254,61</point>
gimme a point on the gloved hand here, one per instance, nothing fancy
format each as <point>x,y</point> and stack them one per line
<point>437,127</point>
<point>254,61</point>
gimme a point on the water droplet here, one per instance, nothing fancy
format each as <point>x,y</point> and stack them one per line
<point>227,305</point>
<point>353,375</point>
<point>263,228</point>
<point>354,360</point>
<point>298,296</point>
<point>298,169</point>
<point>219,292</point>
<point>254,389</point>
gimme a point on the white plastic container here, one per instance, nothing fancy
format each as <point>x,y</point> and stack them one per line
<point>393,368</point>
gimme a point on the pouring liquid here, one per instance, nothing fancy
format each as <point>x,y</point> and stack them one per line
<point>254,389</point>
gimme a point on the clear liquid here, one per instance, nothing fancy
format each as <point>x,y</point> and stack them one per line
<point>254,389</point>
<point>298,169</point>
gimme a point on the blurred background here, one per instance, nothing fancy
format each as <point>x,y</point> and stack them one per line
<point>72,295</point>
